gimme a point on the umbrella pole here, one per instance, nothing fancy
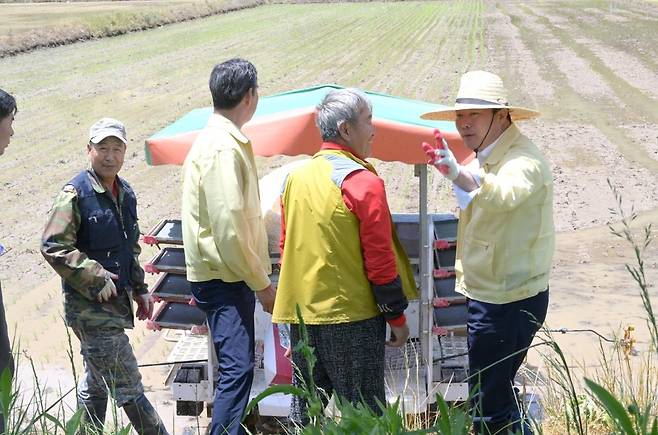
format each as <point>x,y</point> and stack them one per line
<point>426,280</point>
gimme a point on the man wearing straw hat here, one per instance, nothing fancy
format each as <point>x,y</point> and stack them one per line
<point>505,242</point>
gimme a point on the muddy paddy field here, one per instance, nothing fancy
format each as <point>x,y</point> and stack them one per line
<point>590,67</point>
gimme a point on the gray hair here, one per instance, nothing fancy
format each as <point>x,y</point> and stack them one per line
<point>338,106</point>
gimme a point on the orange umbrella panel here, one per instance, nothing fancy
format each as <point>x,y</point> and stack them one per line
<point>284,124</point>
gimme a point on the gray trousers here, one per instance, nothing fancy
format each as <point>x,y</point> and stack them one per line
<point>110,367</point>
<point>350,362</point>
<point>6,359</point>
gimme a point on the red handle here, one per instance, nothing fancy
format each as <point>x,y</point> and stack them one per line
<point>150,268</point>
<point>440,303</point>
<point>153,325</point>
<point>149,240</point>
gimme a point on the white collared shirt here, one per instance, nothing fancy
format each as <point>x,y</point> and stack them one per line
<point>464,198</point>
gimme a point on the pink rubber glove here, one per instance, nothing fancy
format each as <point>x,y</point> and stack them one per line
<point>441,157</point>
<point>431,151</point>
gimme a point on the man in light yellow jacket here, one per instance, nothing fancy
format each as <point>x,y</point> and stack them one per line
<point>226,249</point>
<point>505,242</point>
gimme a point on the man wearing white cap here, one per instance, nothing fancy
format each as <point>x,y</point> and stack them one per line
<point>91,240</point>
<point>505,242</point>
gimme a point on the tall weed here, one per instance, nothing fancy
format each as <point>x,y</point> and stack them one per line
<point>629,399</point>
<point>357,418</point>
<point>622,395</point>
<point>34,411</point>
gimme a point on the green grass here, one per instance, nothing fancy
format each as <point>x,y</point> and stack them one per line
<point>621,394</point>
<point>30,25</point>
<point>40,410</point>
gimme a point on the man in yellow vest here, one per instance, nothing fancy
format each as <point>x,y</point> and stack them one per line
<point>342,263</point>
<point>505,242</point>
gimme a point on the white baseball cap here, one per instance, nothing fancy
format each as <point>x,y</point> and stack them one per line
<point>107,127</point>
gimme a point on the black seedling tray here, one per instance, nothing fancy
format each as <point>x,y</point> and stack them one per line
<point>172,287</point>
<point>166,231</point>
<point>169,259</point>
<point>445,288</point>
<point>453,315</point>
<point>175,315</point>
<point>445,227</point>
<point>445,259</point>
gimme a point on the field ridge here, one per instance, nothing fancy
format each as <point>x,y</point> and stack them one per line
<point>111,24</point>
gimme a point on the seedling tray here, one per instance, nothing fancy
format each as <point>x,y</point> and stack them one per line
<point>172,287</point>
<point>168,231</point>
<point>175,315</point>
<point>169,259</point>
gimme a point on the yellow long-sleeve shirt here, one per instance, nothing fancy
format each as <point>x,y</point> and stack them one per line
<point>223,231</point>
<point>506,238</point>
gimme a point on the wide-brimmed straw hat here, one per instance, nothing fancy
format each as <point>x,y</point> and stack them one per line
<point>481,90</point>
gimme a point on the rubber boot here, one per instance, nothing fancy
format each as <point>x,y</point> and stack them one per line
<point>93,419</point>
<point>144,418</point>
<point>522,428</point>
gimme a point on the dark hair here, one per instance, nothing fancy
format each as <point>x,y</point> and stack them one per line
<point>7,104</point>
<point>230,81</point>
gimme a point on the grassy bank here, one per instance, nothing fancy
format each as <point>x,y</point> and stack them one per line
<point>27,26</point>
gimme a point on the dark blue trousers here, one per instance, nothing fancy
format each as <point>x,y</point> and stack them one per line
<point>496,331</point>
<point>229,308</point>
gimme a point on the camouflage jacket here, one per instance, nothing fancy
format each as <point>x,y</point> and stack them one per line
<point>83,277</point>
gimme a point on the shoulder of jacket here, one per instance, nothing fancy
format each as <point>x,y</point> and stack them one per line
<point>68,194</point>
<point>212,143</point>
<point>342,167</point>
<point>126,185</point>
<point>523,146</point>
<point>69,188</point>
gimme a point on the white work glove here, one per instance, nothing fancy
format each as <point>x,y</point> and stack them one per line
<point>144,306</point>
<point>109,290</point>
<point>445,161</point>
